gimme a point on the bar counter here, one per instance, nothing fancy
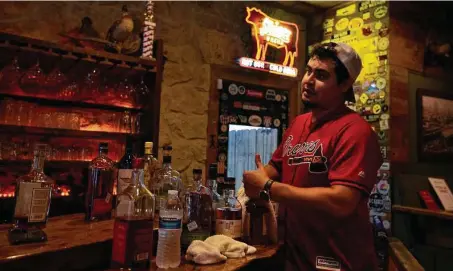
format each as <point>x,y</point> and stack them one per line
<point>74,244</point>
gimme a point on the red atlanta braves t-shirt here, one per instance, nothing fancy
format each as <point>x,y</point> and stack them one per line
<point>341,149</point>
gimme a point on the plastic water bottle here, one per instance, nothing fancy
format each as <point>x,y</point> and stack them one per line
<point>169,243</point>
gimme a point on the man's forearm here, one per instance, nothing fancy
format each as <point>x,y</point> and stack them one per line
<point>335,201</point>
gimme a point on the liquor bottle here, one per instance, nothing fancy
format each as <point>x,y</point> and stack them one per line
<point>33,195</point>
<point>150,166</point>
<point>133,227</point>
<point>125,168</point>
<point>229,216</point>
<point>167,179</point>
<point>98,198</point>
<point>211,183</point>
<point>198,213</point>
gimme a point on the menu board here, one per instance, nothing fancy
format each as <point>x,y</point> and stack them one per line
<point>252,105</point>
<point>365,27</point>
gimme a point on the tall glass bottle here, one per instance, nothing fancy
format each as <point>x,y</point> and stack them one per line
<point>150,166</point>
<point>133,228</point>
<point>229,216</point>
<point>198,212</point>
<point>98,198</point>
<point>33,195</point>
<point>211,183</point>
<point>125,168</point>
<point>167,178</point>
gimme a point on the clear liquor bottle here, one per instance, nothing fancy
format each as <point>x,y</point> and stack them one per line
<point>125,168</point>
<point>167,179</point>
<point>229,216</point>
<point>211,183</point>
<point>98,198</point>
<point>133,228</point>
<point>198,212</point>
<point>150,166</point>
<point>33,194</point>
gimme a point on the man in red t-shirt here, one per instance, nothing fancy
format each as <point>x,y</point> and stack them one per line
<point>325,169</point>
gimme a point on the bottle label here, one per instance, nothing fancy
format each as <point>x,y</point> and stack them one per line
<point>192,226</point>
<point>231,228</point>
<point>33,201</point>
<point>169,223</point>
<point>132,241</point>
<point>125,207</point>
<point>124,179</point>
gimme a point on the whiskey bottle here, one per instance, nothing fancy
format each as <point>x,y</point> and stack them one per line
<point>229,216</point>
<point>125,168</point>
<point>150,165</point>
<point>98,198</point>
<point>133,228</point>
<point>33,195</point>
<point>167,179</point>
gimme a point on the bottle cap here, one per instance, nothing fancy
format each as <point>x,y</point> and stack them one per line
<point>173,192</point>
<point>197,171</point>
<point>137,163</point>
<point>148,144</point>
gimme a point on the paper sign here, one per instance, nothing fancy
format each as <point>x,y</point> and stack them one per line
<point>443,192</point>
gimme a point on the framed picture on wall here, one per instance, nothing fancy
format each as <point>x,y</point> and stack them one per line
<point>435,126</point>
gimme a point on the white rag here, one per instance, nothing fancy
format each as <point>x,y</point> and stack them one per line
<point>216,249</point>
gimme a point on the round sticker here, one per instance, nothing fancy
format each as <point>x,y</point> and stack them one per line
<point>376,202</point>
<point>356,23</point>
<point>224,97</point>
<point>342,24</point>
<point>242,90</point>
<point>378,25</point>
<point>382,69</point>
<point>385,108</point>
<point>222,157</point>
<point>381,83</point>
<point>381,94</point>
<point>278,97</point>
<point>384,31</point>
<point>233,89</point>
<point>383,43</point>
<point>283,98</point>
<point>276,122</point>
<point>376,109</point>
<point>380,12</point>
<point>385,116</point>
<point>383,187</point>
<point>224,128</point>
<point>386,224</point>
<point>255,120</point>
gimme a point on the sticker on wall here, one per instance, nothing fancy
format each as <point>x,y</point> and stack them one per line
<point>385,108</point>
<point>383,152</point>
<point>383,31</point>
<point>355,23</point>
<point>222,139</point>
<point>283,116</point>
<point>376,202</point>
<point>386,224</point>
<point>346,11</point>
<point>219,84</point>
<point>226,119</point>
<point>251,107</point>
<point>381,83</point>
<point>224,128</point>
<point>383,187</point>
<point>328,23</point>
<point>380,12</point>
<point>255,94</point>
<point>378,25</point>
<point>237,104</point>
<point>255,120</point>
<point>381,135</point>
<point>383,43</point>
<point>366,15</point>
<point>384,125</point>
<point>381,94</point>
<point>278,97</point>
<point>222,157</point>
<point>243,119</point>
<point>342,24</point>
<point>224,96</point>
<point>241,90</point>
<point>270,95</point>
<point>366,31</point>
<point>385,116</point>
<point>284,98</point>
<point>233,89</point>
<point>276,122</point>
<point>376,109</point>
<point>363,98</point>
<point>267,121</point>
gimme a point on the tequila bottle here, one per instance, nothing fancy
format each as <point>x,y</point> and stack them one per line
<point>33,195</point>
<point>167,179</point>
<point>133,228</point>
<point>98,198</point>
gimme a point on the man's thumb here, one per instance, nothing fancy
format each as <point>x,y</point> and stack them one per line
<point>259,164</point>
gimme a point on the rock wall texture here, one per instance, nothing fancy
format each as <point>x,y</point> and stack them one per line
<point>195,34</point>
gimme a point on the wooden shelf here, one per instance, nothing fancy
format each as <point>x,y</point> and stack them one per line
<point>15,42</point>
<point>14,129</point>
<point>63,103</point>
<point>421,211</point>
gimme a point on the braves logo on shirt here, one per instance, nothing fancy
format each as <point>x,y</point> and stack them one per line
<point>310,153</point>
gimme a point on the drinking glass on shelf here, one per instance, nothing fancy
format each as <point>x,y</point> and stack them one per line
<point>32,79</point>
<point>21,113</point>
<point>126,124</point>
<point>142,93</point>
<point>126,92</point>
<point>9,111</point>
<point>137,123</point>
<point>54,81</point>
<point>74,121</point>
<point>11,73</point>
<point>91,84</point>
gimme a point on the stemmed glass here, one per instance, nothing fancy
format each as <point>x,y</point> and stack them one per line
<point>11,73</point>
<point>32,78</point>
<point>54,80</point>
<point>91,85</point>
<point>142,92</point>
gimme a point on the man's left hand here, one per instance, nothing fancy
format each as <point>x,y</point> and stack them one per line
<point>254,180</point>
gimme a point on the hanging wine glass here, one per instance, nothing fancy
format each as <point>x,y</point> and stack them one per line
<point>54,80</point>
<point>142,92</point>
<point>70,88</point>
<point>91,84</point>
<point>125,91</point>
<point>11,74</point>
<point>32,79</point>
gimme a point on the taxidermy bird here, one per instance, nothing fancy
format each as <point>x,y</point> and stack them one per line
<point>123,34</point>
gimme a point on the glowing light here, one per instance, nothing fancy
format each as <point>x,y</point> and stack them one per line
<point>267,66</point>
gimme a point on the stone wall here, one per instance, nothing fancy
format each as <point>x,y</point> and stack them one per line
<point>195,34</point>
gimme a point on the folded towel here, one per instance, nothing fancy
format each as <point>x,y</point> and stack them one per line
<point>230,247</point>
<point>203,253</point>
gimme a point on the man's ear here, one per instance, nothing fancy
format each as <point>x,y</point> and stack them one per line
<point>345,85</point>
